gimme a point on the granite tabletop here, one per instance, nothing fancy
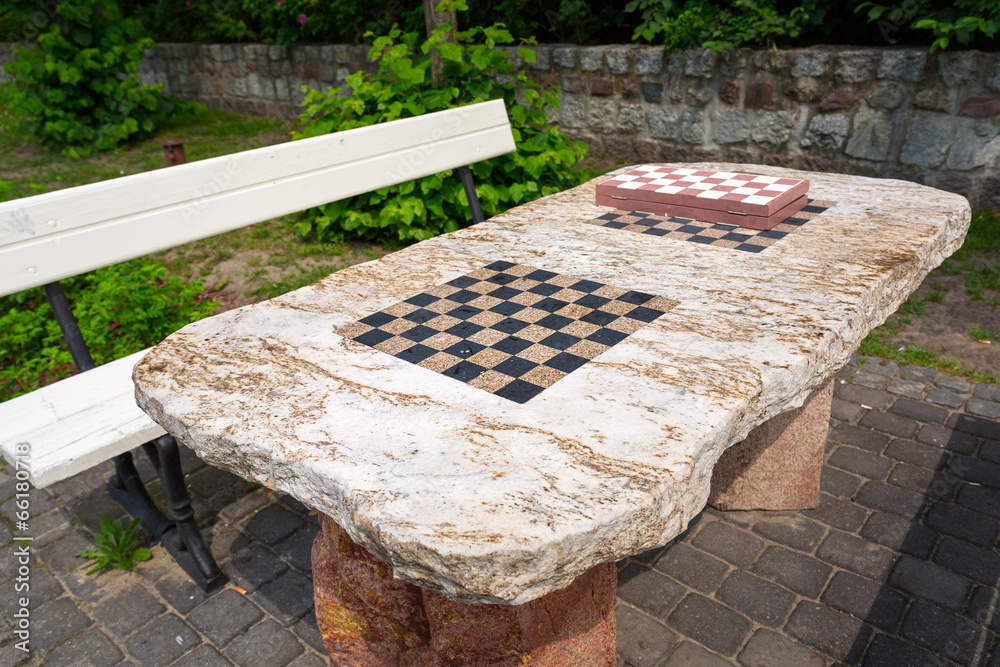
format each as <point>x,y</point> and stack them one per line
<point>494,411</point>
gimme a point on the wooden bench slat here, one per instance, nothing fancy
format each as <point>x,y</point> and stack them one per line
<point>64,233</point>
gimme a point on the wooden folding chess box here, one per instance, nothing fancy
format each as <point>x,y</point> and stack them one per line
<point>747,200</point>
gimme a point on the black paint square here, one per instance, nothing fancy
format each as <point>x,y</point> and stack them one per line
<point>512,345</point>
<point>560,341</point>
<point>465,349</point>
<point>519,391</point>
<point>545,289</point>
<point>464,329</point>
<point>541,275</point>
<point>635,298</point>
<point>416,354</point>
<point>422,300</point>
<point>600,318</point>
<point>586,286</point>
<point>500,266</point>
<point>377,319</point>
<point>643,314</point>
<point>515,367</point>
<point>418,333</point>
<point>462,281</point>
<point>607,337</point>
<point>553,321</point>
<point>507,308</point>
<point>463,296</point>
<point>464,312</point>
<point>504,293</point>
<point>550,305</point>
<point>509,325</point>
<point>464,371</point>
<point>421,316</point>
<point>566,362</point>
<point>373,337</point>
<point>591,301</point>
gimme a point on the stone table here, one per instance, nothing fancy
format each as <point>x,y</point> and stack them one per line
<point>640,358</point>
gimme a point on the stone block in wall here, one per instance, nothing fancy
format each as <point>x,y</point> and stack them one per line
<point>732,63</point>
<point>805,93</point>
<point>327,71</point>
<point>276,52</point>
<point>572,112</point>
<point>565,56</point>
<point>809,62</point>
<point>729,92</point>
<point>652,92</point>
<point>980,107</point>
<point>927,140</point>
<point>675,63</point>
<point>267,89</point>
<point>648,61</point>
<point>629,89</point>
<point>699,62</point>
<point>730,126</point>
<point>933,100</point>
<point>826,132</point>
<point>573,83</point>
<point>771,61</point>
<point>887,96</point>
<point>779,160</point>
<point>592,58</point>
<point>543,58</point>
<point>692,129</point>
<point>960,184</point>
<point>281,91</point>
<point>773,127</point>
<point>647,151</point>
<point>603,115</point>
<point>620,147</point>
<point>958,69</point>
<point>699,96</point>
<point>975,145</point>
<point>872,136</point>
<point>602,86</point>
<point>663,122</point>
<point>993,80</point>
<point>631,118</point>
<point>903,65</point>
<point>840,99</point>
<point>759,95</point>
<point>617,60</point>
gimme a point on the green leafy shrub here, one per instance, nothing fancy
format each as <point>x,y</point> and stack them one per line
<point>121,309</point>
<point>117,548</point>
<point>960,21</point>
<point>473,70</point>
<point>78,86</point>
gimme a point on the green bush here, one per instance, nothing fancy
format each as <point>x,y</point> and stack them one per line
<point>121,309</point>
<point>473,70</point>
<point>961,21</point>
<point>77,86</point>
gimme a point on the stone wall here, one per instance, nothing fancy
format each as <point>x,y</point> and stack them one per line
<point>899,113</point>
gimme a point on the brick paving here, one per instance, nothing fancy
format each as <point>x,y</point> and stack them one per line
<point>897,566</point>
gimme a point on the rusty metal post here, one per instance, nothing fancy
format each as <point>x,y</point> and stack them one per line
<point>175,152</point>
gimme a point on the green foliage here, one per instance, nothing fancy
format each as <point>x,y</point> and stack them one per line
<point>121,309</point>
<point>722,26</point>
<point>976,332</point>
<point>961,21</point>
<point>77,86</point>
<point>473,70</point>
<point>117,548</point>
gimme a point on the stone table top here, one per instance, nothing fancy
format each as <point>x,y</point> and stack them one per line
<point>502,498</point>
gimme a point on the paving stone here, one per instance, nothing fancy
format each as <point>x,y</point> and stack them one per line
<point>859,436</point>
<point>762,601</point>
<point>91,510</point>
<point>954,384</point>
<point>267,643</point>
<point>272,524</point>
<point>908,388</point>
<point>888,498</point>
<point>247,504</point>
<point>885,650</point>
<point>297,549</point>
<point>649,590</point>
<point>890,423</point>
<point>692,655</point>
<point>768,649</point>
<point>224,616</point>
<point>981,609</point>
<point>127,610</point>
<point>918,373</point>
<point>203,656</point>
<point>983,408</point>
<point>719,628</point>
<point>49,527</point>
<point>947,438</point>
<point>162,641</point>
<point>833,632</point>
<point>179,591</point>
<point>800,573</point>
<point>642,641</point>
<point>253,567</point>
<point>287,598</point>
<point>873,398</point>
<point>982,565</point>
<point>919,410</point>
<point>960,522</point>
<point>224,538</point>
<point>987,392</point>
<point>943,633</point>
<point>54,622</point>
<point>872,380</point>
<point>649,557</point>
<point>307,630</point>
<point>209,481</point>
<point>944,397</point>
<point>870,601</point>
<point>881,366</point>
<point>900,534</point>
<point>60,556</point>
<point>929,582</point>
<point>791,530</point>
<point>839,483</point>
<point>90,648</point>
<point>974,470</point>
<point>981,499</point>
<point>990,451</point>
<point>917,453</point>
<point>857,555</point>
<point>43,587</point>
<point>860,462</point>
<point>728,543</point>
<point>695,568</point>
<point>837,513</point>
<point>845,411</point>
<point>309,660</point>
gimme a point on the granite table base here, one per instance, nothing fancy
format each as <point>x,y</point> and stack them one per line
<point>777,466</point>
<point>369,619</point>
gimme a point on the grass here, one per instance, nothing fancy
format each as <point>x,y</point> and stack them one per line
<point>978,333</point>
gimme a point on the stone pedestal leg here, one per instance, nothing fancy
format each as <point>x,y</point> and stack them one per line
<point>369,619</point>
<point>777,467</point>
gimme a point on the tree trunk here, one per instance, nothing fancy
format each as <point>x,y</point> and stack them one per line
<point>433,19</point>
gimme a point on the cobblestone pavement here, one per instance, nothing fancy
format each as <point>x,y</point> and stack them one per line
<point>897,566</point>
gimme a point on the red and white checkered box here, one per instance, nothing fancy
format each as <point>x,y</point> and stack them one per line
<point>747,200</point>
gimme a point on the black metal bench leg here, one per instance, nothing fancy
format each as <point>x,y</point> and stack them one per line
<point>207,573</point>
<point>126,487</point>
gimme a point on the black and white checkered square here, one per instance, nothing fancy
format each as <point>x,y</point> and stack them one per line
<point>509,329</point>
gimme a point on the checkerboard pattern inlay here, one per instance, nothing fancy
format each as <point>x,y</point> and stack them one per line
<point>509,329</point>
<point>708,233</point>
<point>732,187</point>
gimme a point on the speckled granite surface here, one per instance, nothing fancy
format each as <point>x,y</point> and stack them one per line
<point>484,499</point>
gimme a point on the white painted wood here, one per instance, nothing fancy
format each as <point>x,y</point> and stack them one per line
<point>67,232</point>
<point>76,423</point>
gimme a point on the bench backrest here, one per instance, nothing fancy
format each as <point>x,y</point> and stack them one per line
<point>67,232</point>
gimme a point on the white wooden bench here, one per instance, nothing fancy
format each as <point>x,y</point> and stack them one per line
<point>73,424</point>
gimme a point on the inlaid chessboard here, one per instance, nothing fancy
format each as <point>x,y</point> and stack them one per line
<point>707,233</point>
<point>508,329</point>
